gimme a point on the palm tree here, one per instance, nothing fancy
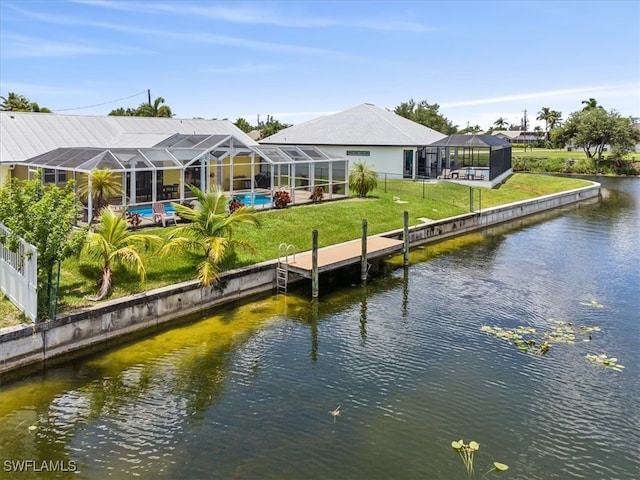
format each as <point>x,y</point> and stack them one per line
<point>155,109</point>
<point>362,179</point>
<point>501,123</point>
<point>112,244</point>
<point>544,116</point>
<point>590,104</point>
<point>102,183</point>
<point>15,103</point>
<point>210,231</point>
<point>555,117</point>
<point>19,103</point>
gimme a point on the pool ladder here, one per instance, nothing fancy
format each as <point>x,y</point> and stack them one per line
<point>282,270</point>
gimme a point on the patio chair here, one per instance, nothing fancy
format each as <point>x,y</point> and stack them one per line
<point>160,214</point>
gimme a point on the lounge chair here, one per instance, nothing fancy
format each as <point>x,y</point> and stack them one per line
<point>160,214</point>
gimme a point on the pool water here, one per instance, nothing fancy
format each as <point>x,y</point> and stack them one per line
<point>147,212</point>
<point>258,199</point>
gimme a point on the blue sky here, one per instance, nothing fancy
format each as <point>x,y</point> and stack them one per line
<point>298,60</point>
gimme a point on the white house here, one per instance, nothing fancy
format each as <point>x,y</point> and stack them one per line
<point>386,141</point>
<point>159,158</point>
<point>24,135</point>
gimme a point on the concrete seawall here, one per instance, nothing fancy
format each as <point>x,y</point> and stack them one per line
<point>32,345</point>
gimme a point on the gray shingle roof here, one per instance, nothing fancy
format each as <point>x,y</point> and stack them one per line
<point>24,135</point>
<point>459,140</point>
<point>365,124</point>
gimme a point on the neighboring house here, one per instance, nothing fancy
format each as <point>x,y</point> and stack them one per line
<point>637,127</point>
<point>518,137</point>
<point>386,141</point>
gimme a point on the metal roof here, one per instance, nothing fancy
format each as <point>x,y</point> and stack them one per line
<point>176,152</point>
<point>459,140</point>
<point>24,135</point>
<point>363,125</point>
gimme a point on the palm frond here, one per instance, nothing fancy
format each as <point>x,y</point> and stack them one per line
<point>129,257</point>
<point>207,272</point>
<point>216,248</point>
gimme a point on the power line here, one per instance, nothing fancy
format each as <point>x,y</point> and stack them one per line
<point>99,104</point>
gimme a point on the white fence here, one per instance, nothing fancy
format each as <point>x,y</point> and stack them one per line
<point>19,274</point>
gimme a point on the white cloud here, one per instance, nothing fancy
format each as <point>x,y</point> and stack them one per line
<point>262,13</point>
<point>20,46</point>
<point>619,90</point>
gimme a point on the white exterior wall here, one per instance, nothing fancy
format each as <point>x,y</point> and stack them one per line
<point>381,159</point>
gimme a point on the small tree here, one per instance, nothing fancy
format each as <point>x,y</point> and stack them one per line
<point>271,127</point>
<point>210,231</point>
<point>362,179</point>
<point>592,128</point>
<point>243,125</point>
<point>427,115</point>
<point>111,244</point>
<point>104,184</point>
<point>44,216</point>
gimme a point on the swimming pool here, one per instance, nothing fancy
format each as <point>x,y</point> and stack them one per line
<point>147,212</point>
<point>259,199</point>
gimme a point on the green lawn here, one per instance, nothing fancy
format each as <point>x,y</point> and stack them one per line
<point>9,314</point>
<point>336,221</point>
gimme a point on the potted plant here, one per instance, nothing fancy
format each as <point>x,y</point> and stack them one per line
<point>281,199</point>
<point>134,219</point>
<point>234,204</point>
<point>317,195</point>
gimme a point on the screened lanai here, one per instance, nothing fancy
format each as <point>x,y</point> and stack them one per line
<point>161,173</point>
<point>467,157</point>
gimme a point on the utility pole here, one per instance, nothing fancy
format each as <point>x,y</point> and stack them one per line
<point>149,95</point>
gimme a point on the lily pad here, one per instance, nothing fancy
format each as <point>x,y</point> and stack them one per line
<point>500,467</point>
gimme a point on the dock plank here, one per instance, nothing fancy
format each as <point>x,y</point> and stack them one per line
<point>348,253</point>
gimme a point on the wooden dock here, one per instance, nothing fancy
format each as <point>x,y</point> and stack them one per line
<point>337,256</point>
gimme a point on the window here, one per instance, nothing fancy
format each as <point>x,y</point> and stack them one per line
<point>54,176</point>
<point>358,153</point>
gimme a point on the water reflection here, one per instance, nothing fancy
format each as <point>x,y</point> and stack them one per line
<point>246,391</point>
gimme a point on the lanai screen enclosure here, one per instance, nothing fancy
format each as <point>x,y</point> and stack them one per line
<point>161,173</point>
<point>456,156</point>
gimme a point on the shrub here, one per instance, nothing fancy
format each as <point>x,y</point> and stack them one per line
<point>281,199</point>
<point>234,204</point>
<point>317,195</point>
<point>362,179</point>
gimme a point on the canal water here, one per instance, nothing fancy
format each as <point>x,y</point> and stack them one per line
<point>372,382</point>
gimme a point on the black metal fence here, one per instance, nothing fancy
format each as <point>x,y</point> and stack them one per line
<point>398,186</point>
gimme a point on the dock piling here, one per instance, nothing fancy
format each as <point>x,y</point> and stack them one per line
<point>314,264</point>
<point>364,270</point>
<point>405,237</point>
